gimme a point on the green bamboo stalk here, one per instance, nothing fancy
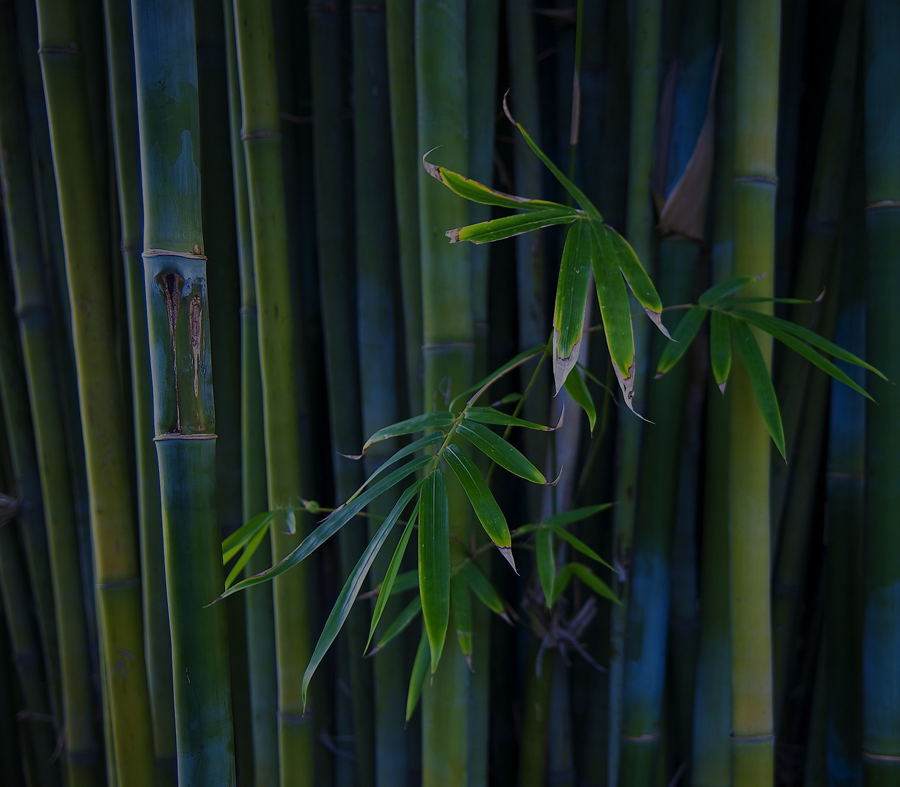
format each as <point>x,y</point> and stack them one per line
<point>184,415</point>
<point>10,744</point>
<point>561,763</point>
<point>23,233</point>
<point>814,772</point>
<point>260,621</point>
<point>287,472</point>
<point>758,26</point>
<point>881,637</point>
<point>640,233</point>
<point>533,744</point>
<point>157,639</point>
<point>441,98</point>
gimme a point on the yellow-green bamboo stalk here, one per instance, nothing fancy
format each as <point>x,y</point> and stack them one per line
<point>106,447</point>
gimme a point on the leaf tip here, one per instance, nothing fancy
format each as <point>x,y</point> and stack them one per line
<point>350,456</point>
<point>430,168</point>
<point>506,108</point>
<point>453,235</point>
<point>722,387</point>
<point>555,481</point>
<point>656,317</point>
<point>508,557</point>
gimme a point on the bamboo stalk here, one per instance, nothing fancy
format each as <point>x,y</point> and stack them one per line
<point>23,233</point>
<point>881,633</point>
<point>184,415</point>
<point>287,472</point>
<point>115,552</point>
<point>756,63</point>
<point>10,743</point>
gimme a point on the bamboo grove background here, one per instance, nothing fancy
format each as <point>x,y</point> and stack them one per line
<point>203,197</point>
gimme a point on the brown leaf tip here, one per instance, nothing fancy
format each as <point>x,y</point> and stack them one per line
<point>506,108</point>
<point>508,557</point>
<point>430,168</point>
<point>722,387</point>
<point>453,235</point>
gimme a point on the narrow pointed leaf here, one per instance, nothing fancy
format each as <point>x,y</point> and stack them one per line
<point>741,301</point>
<point>482,499</point>
<point>406,580</point>
<point>331,525</point>
<point>511,364</point>
<point>501,452</point>
<point>248,553</point>
<point>576,514</point>
<point>352,587</point>
<point>488,415</point>
<point>419,673</point>
<point>387,585</point>
<point>484,590</point>
<point>723,289</point>
<point>409,613</point>
<point>684,334</point>
<point>438,419</point>
<point>571,298</point>
<point>585,575</point>
<point>579,545</point>
<point>408,450</point>
<point>546,562</point>
<point>720,348</point>
<point>245,533</point>
<point>760,380</point>
<point>510,226</point>
<point>577,388</point>
<point>434,561</point>
<point>462,615</point>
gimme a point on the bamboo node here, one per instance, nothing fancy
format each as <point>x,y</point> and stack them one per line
<point>262,133</point>
<point>71,49</point>
<point>772,181</point>
<point>169,253</point>
<point>178,436</point>
<point>884,204</point>
<point>867,755</point>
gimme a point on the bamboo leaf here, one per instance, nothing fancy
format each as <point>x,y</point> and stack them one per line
<point>720,348</point>
<point>510,226</point>
<point>290,521</point>
<point>723,289</point>
<point>390,578</point>
<point>761,382</point>
<point>484,590</point>
<point>462,615</point>
<point>406,580</point>
<point>331,525</point>
<point>571,298</point>
<point>407,450</point>
<point>434,561</point>
<point>511,364</point>
<point>352,587</point>
<point>585,575</point>
<point>245,533</point>
<point>439,419</point>
<point>546,562</point>
<point>577,388</point>
<point>488,415</point>
<point>477,192</point>
<point>579,545</point>
<point>245,557</point>
<point>409,613</point>
<point>576,514</point>
<point>483,503</point>
<point>417,679</point>
<point>684,334</point>
<point>501,452</point>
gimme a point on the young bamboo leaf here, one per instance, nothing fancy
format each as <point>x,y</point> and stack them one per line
<point>510,226</point>
<point>685,332</point>
<point>571,298</point>
<point>409,613</point>
<point>720,348</point>
<point>511,364</point>
<point>576,514</point>
<point>245,533</point>
<point>483,589</point>
<point>245,557</point>
<point>723,289</point>
<point>407,450</point>
<point>387,585</point>
<point>347,597</point>
<point>579,545</point>
<point>546,562</point>
<point>637,278</point>
<point>434,561</point>
<point>585,575</point>
<point>417,679</point>
<point>485,506</point>
<point>331,525</point>
<point>577,388</point>
<point>438,419</point>
<point>488,415</point>
<point>462,615</point>
<point>763,389</point>
<point>501,452</point>
<point>478,192</point>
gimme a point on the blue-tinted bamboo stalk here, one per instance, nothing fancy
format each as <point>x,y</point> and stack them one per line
<point>260,621</point>
<point>881,634</point>
<point>758,26</point>
<point>287,470</point>
<point>441,101</point>
<point>642,236</point>
<point>157,639</point>
<point>102,415</point>
<point>26,258</point>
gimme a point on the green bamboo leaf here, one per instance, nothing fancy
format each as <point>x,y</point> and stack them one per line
<point>739,301</point>
<point>406,580</point>
<point>760,380</point>
<point>576,514</point>
<point>579,545</point>
<point>577,388</point>
<point>434,561</point>
<point>352,587</point>
<point>462,615</point>
<point>484,590</point>
<point>510,226</point>
<point>331,525</point>
<point>245,533</point>
<point>585,575</point>
<point>637,278</point>
<point>488,415</point>
<point>684,334</point>
<point>501,452</point>
<point>768,322</point>
<point>615,312</point>
<point>245,557</point>
<point>477,192</point>
<point>439,419</point>
<point>720,348</point>
<point>724,288</point>
<point>386,588</point>
<point>417,679</point>
<point>546,562</point>
<point>571,298</point>
<point>480,496</point>
<point>409,613</point>
<point>511,364</point>
<point>407,450</point>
